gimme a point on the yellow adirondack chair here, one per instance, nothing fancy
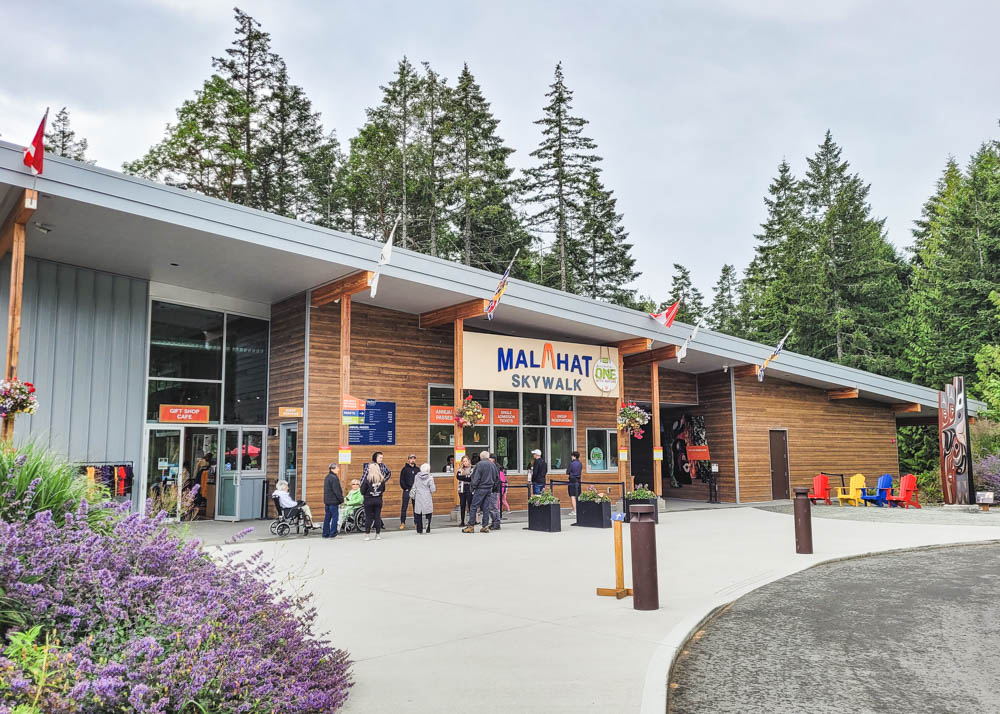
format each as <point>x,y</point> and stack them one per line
<point>852,494</point>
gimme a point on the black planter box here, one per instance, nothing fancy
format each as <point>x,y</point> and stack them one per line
<point>645,502</point>
<point>544,518</point>
<point>593,514</point>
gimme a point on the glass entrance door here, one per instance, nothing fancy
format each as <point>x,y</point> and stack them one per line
<point>163,471</point>
<point>240,491</point>
<point>201,452</point>
<point>227,498</point>
<point>288,468</point>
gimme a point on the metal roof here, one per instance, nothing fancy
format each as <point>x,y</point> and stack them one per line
<point>109,221</point>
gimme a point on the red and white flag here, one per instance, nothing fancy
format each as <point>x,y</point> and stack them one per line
<point>666,318</point>
<point>34,155</point>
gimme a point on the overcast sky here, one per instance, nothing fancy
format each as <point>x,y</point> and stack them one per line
<point>692,104</point>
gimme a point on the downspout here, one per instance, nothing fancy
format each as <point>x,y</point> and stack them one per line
<point>736,450</point>
<point>305,397</point>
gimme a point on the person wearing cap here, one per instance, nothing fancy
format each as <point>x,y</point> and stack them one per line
<point>407,475</point>
<point>539,470</point>
<point>333,496</point>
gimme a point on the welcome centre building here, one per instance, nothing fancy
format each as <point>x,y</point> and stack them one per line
<point>172,336</point>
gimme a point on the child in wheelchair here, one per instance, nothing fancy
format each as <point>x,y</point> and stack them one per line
<point>290,512</point>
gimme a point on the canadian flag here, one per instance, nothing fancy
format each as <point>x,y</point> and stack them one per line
<point>34,155</point>
<point>666,318</point>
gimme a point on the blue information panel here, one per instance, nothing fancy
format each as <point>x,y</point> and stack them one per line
<point>376,425</point>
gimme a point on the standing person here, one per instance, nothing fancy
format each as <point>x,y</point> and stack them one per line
<point>482,491</point>
<point>575,473</point>
<point>494,499</point>
<point>406,476</point>
<point>449,467</point>
<point>503,490</point>
<point>373,485</point>
<point>464,478</point>
<point>423,499</point>
<point>333,496</point>
<point>539,470</point>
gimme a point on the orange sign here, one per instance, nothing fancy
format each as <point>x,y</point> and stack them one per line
<point>560,418</point>
<point>697,453</point>
<point>506,417</point>
<point>175,413</point>
<point>352,403</point>
<point>294,412</point>
<point>442,415</point>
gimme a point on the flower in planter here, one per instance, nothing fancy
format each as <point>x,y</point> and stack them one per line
<point>631,419</point>
<point>470,413</point>
<point>640,494</point>
<point>591,495</point>
<point>544,498</point>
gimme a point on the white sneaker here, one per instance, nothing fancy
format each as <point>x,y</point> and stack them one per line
<point>572,513</point>
<point>378,537</point>
<point>367,537</point>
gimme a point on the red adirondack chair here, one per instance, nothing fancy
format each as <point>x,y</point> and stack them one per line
<point>821,490</point>
<point>907,493</point>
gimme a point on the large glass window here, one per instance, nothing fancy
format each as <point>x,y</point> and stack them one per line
<point>534,438</point>
<point>506,443</point>
<point>562,447</point>
<point>535,409</point>
<point>185,342</point>
<point>246,370</point>
<point>188,394</point>
<point>602,450</point>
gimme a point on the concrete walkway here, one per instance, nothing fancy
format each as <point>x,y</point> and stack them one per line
<point>509,621</point>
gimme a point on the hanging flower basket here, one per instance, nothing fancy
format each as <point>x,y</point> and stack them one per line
<point>470,413</point>
<point>17,397</point>
<point>631,419</point>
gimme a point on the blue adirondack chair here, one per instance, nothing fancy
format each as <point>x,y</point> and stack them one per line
<point>882,491</point>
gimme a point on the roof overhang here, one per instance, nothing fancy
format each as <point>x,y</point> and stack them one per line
<point>107,221</point>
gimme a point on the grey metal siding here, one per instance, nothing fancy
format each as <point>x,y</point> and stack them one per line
<point>83,345</point>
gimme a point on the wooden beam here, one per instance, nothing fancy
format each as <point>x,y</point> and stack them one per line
<point>462,311</point>
<point>348,285</point>
<point>624,468</point>
<point>918,421</point>
<point>745,370</point>
<point>20,213</point>
<point>345,377</point>
<point>660,354</point>
<point>628,347</point>
<point>654,378</point>
<point>842,394</point>
<point>459,376</point>
<point>905,408</point>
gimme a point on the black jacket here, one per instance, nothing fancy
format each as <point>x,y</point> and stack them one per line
<point>406,476</point>
<point>539,470</point>
<point>333,492</point>
<point>484,475</point>
<point>370,491</point>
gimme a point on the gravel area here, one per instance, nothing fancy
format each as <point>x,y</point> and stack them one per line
<point>927,515</point>
<point>914,632</point>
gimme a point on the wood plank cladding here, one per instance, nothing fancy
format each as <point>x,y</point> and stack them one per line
<point>715,404</point>
<point>846,436</point>
<point>675,387</point>
<point>287,376</point>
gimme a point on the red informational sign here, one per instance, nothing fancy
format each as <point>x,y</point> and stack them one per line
<point>697,453</point>
<point>179,413</point>
<point>506,417</point>
<point>560,418</point>
<point>442,415</point>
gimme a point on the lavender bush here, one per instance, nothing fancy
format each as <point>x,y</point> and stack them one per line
<point>135,619</point>
<point>987,472</point>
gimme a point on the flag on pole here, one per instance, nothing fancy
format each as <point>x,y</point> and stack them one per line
<point>501,288</point>
<point>34,155</point>
<point>666,318</point>
<point>774,356</point>
<point>682,352</point>
<point>384,257</point>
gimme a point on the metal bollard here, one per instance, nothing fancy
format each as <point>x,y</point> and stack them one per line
<point>645,584</point>
<point>803,522</point>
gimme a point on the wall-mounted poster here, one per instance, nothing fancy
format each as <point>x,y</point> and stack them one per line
<point>374,424</point>
<point>956,462</point>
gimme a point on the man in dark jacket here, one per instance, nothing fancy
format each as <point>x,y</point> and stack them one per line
<point>483,477</point>
<point>333,496</point>
<point>407,474</point>
<point>539,470</point>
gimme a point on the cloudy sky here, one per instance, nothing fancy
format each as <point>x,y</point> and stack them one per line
<point>692,104</point>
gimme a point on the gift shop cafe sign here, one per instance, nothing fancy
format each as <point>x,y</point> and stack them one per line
<point>512,364</point>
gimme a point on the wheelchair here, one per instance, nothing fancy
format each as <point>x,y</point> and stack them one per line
<point>289,518</point>
<point>354,522</point>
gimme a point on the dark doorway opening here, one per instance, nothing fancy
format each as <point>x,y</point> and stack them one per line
<point>779,464</point>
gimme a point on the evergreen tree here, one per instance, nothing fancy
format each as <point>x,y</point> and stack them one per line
<point>605,266</point>
<point>723,314</point>
<point>557,184</point>
<point>371,181</point>
<point>327,193</point>
<point>988,364</point>
<point>61,140</point>
<point>435,125</point>
<point>692,307</point>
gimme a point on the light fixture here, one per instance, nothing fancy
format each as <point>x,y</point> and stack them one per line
<point>174,265</point>
<point>42,227</point>
<point>725,368</point>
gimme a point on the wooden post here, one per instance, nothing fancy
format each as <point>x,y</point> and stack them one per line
<point>13,230</point>
<point>654,376</point>
<point>619,591</point>
<point>459,365</point>
<point>624,470</point>
<point>345,377</point>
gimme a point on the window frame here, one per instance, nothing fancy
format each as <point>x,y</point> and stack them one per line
<point>607,450</point>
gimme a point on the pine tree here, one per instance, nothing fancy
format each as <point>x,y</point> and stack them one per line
<point>723,314</point>
<point>988,365</point>
<point>435,125</point>
<point>557,184</point>
<point>371,180</point>
<point>605,266</point>
<point>692,307</point>
<point>61,140</point>
<point>326,173</point>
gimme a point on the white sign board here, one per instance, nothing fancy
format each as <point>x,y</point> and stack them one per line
<point>515,364</point>
<point>984,497</point>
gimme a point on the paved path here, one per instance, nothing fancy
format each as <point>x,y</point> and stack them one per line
<point>510,621</point>
<point>910,632</point>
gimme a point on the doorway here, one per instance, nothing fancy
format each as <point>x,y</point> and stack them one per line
<point>778,439</point>
<point>163,470</point>
<point>201,451</point>
<point>240,492</point>
<point>289,450</point>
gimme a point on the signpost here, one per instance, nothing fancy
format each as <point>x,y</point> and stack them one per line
<point>374,424</point>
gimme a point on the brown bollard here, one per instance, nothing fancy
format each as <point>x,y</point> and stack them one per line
<point>645,585</point>
<point>803,522</point>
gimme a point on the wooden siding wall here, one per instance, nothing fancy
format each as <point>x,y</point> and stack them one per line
<point>675,387</point>
<point>843,436</point>
<point>715,404</point>
<point>287,379</point>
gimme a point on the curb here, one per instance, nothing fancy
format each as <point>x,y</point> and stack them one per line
<point>656,690</point>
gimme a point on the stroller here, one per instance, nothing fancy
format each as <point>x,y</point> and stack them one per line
<point>289,517</point>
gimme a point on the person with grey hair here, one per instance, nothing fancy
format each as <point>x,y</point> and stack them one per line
<point>483,478</point>
<point>289,504</point>
<point>423,498</point>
